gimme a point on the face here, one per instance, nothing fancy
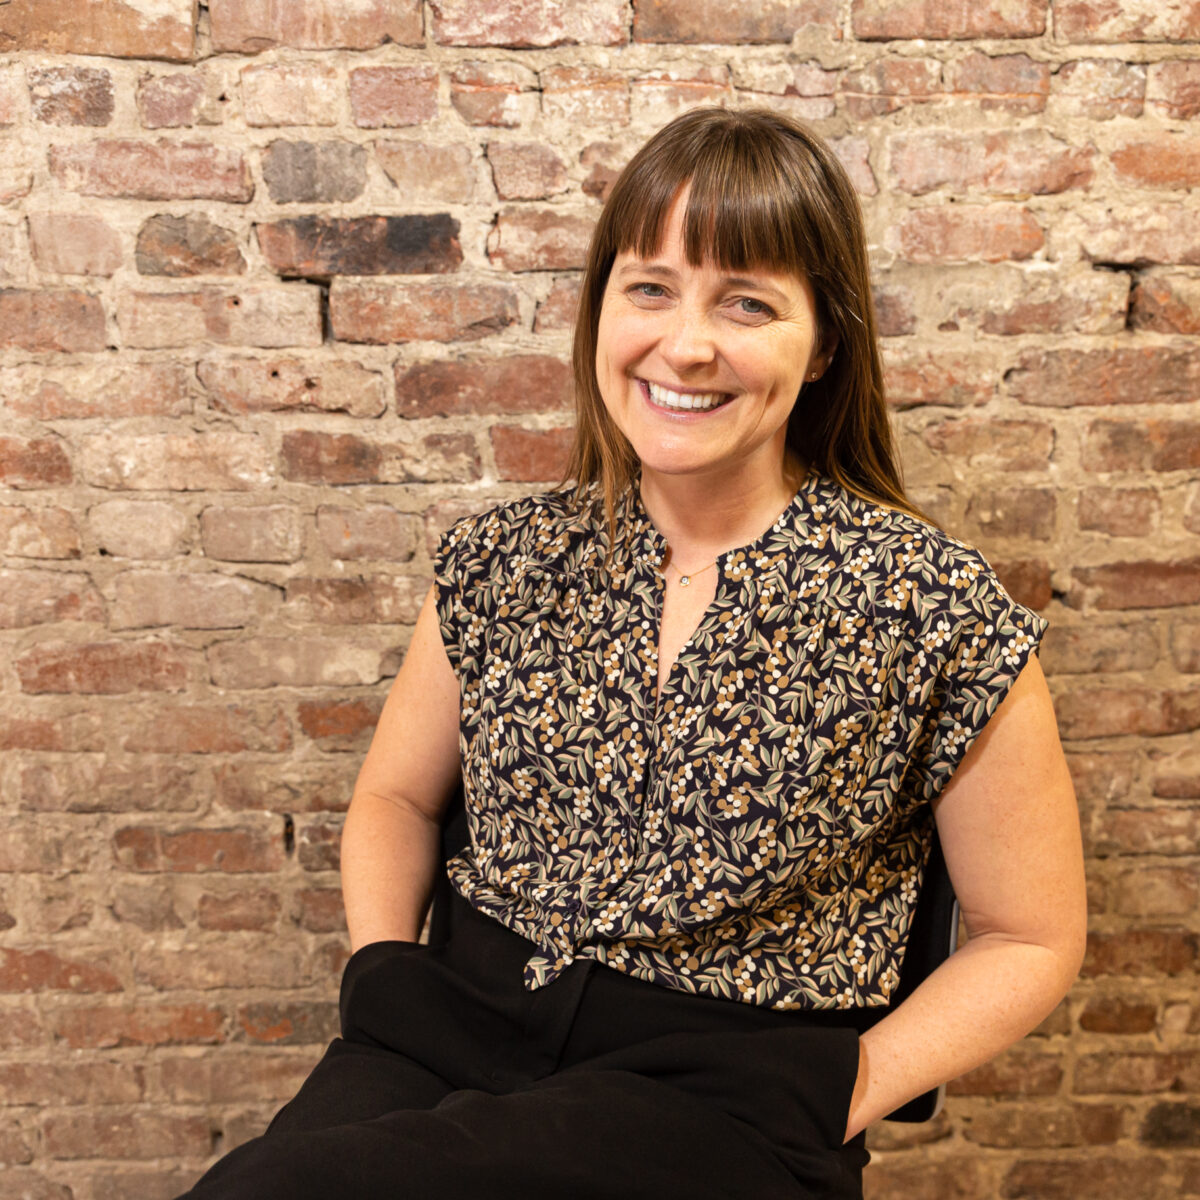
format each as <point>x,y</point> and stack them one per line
<point>699,367</point>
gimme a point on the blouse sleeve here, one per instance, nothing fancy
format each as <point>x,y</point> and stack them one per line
<point>981,640</point>
<point>456,577</point>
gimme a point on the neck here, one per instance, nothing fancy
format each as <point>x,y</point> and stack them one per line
<point>701,517</point>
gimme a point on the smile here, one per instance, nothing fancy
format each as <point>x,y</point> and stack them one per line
<point>685,401</point>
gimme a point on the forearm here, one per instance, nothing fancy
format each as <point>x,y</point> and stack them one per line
<point>985,997</point>
<point>390,854</point>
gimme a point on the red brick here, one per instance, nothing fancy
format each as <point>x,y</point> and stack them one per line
<point>252,26</point>
<point>245,385</point>
<point>205,967</point>
<point>104,1027</point>
<point>257,909</point>
<point>247,1075</point>
<point>15,1149</point>
<point>890,84</point>
<point>754,21</point>
<point>1173,87</point>
<point>521,23</point>
<point>955,380</point>
<point>311,786</point>
<point>1191,514</point>
<point>374,531</point>
<point>37,845</point>
<point>37,598</point>
<point>12,81</point>
<point>1100,88</point>
<point>317,846</point>
<point>894,19</point>
<point>258,533</point>
<point>100,391</point>
<point>387,97</point>
<point>78,783</point>
<point>189,462</point>
<point>314,172</point>
<point>24,730</point>
<point>1093,649</point>
<point>1166,302</point>
<point>208,729</point>
<point>162,170</point>
<point>148,848</point>
<point>1170,160</point>
<point>294,93</point>
<point>1185,645</point>
<point>1174,1126</point>
<point>188,245</point>
<point>1006,83</point>
<point>180,100</point>
<point>1160,831</point>
<point>657,97</point>
<point>526,170</point>
<point>895,314</point>
<point>1147,952</point>
<point>529,455</point>
<point>293,662</point>
<point>1115,1014</point>
<point>1026,1126</point>
<point>507,384</point>
<point>1157,892</point>
<point>379,313</point>
<point>339,725</point>
<point>1121,512</point>
<point>332,458</point>
<point>90,1083</point>
<point>38,532</point>
<point>1048,1179</point>
<point>140,528</point>
<point>1001,163</point>
<point>1141,234</point>
<point>379,600</point>
<point>1129,21</point>
<point>493,93</point>
<point>425,244</point>
<point>1146,374</point>
<point>74,244</point>
<point>539,240</point>
<point>145,599</point>
<point>71,95</point>
<point>132,29</point>
<point>51,320</point>
<point>584,96</point>
<point>1111,711</point>
<point>32,1185</point>
<point>425,171</point>
<point>45,971</point>
<point>1137,585</point>
<point>1028,513</point>
<point>252,315</point>
<point>557,310</point>
<point>956,1178</point>
<point>1125,1073</point>
<point>996,443</point>
<point>1020,1071</point>
<point>967,233</point>
<point>604,162</point>
<point>321,910</point>
<point>1142,445</point>
<point>854,153</point>
<point>144,1134</point>
<point>103,668</point>
<point>289,1023</point>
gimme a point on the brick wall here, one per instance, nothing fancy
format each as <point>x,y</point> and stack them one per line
<point>287,287</point>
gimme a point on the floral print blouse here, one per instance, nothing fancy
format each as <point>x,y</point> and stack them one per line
<point>759,831</point>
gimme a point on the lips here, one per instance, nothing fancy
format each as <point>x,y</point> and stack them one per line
<point>664,397</point>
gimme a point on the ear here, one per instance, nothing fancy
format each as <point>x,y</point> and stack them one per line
<point>820,361</point>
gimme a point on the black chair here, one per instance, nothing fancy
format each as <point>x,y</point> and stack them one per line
<point>931,941</point>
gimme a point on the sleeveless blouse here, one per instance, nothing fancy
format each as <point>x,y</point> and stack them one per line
<point>759,832</point>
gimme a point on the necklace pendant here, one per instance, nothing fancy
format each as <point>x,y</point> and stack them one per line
<point>684,580</point>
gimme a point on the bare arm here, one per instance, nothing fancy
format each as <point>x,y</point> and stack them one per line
<point>1010,831</point>
<point>391,839</point>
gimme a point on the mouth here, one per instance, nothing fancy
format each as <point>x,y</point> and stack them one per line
<point>683,402</point>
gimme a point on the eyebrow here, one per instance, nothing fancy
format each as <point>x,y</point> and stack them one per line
<point>743,281</point>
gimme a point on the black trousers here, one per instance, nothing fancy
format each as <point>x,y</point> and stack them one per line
<point>451,1080</point>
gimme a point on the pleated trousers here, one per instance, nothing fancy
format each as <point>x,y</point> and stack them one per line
<point>452,1080</point>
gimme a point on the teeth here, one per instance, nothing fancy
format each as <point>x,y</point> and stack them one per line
<point>693,401</point>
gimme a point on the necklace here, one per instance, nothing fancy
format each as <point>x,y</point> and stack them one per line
<point>684,580</point>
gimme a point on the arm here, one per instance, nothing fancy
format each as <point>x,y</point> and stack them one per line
<point>391,841</point>
<point>1010,831</point>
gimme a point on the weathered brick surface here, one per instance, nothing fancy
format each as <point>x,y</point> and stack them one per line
<point>286,287</point>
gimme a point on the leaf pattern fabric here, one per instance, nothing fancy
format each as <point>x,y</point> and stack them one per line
<point>759,831</point>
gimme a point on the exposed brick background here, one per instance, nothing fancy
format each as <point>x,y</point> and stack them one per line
<point>286,288</point>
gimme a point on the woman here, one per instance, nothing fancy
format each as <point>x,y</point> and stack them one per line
<point>706,707</point>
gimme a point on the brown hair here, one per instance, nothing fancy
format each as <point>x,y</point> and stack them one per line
<point>763,192</point>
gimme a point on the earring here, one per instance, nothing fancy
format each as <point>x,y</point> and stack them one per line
<point>813,375</point>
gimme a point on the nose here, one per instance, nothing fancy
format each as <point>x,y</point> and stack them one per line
<point>687,340</point>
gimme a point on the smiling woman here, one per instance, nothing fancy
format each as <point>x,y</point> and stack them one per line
<point>706,705</point>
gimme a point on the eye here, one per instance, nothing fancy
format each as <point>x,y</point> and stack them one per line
<point>747,306</point>
<point>651,291</point>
